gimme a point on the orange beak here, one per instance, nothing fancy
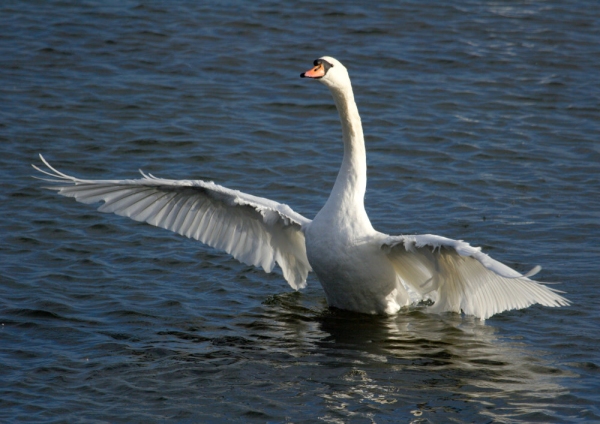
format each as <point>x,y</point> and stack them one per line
<point>316,72</point>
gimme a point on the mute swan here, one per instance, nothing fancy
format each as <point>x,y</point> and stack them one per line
<point>360,269</point>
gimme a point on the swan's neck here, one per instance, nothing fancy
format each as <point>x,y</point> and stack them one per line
<point>349,190</point>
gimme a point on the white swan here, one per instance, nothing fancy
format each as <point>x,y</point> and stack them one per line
<point>359,268</point>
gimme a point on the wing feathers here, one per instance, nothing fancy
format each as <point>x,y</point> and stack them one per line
<point>459,277</point>
<point>254,230</point>
<point>260,232</point>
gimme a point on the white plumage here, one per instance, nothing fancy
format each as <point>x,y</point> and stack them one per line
<point>359,268</point>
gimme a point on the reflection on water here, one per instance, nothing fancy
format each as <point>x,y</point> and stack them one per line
<point>269,359</point>
<point>430,363</point>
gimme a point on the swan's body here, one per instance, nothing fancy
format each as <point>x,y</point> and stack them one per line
<point>359,268</point>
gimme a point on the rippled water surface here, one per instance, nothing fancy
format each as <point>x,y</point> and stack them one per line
<point>482,122</point>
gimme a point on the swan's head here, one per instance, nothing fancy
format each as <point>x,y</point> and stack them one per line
<point>330,72</point>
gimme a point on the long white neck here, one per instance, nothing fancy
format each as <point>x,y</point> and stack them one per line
<point>348,192</point>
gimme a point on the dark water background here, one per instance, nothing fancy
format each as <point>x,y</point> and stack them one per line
<point>482,122</point>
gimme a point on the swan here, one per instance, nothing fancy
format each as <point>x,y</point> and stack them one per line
<point>359,268</point>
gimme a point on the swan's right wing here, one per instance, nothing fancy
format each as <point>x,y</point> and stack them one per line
<point>254,230</point>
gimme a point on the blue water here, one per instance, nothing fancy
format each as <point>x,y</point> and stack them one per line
<point>482,122</point>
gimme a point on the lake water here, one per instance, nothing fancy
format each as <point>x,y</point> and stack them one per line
<point>482,122</point>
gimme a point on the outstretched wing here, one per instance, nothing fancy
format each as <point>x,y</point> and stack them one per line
<point>255,230</point>
<point>459,277</point>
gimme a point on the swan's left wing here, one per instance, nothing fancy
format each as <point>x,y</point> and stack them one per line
<point>459,277</point>
<point>254,230</point>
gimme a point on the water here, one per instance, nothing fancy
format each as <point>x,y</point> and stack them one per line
<point>482,123</point>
